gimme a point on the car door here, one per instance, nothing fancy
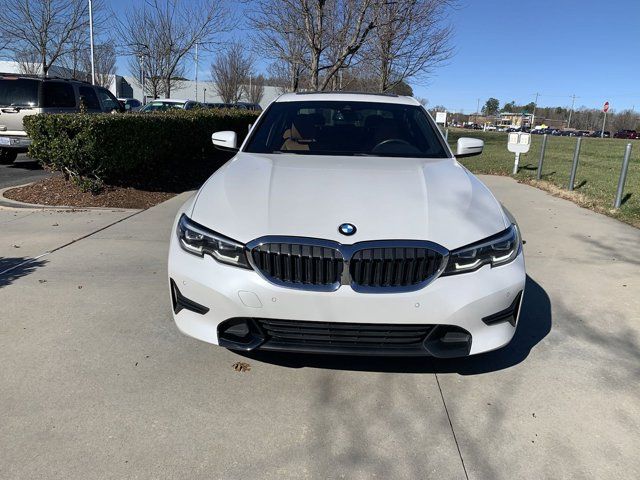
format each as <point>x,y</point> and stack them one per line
<point>108,101</point>
<point>89,99</point>
<point>58,97</point>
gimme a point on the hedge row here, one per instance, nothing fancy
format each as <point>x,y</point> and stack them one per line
<point>128,148</point>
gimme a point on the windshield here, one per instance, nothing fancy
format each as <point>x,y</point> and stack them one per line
<point>19,92</point>
<point>346,128</point>
<point>162,106</point>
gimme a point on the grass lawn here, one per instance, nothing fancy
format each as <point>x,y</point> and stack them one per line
<point>596,179</point>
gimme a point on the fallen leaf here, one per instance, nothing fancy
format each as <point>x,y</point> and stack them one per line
<point>241,367</point>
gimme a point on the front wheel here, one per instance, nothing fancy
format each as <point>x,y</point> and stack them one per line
<point>7,156</point>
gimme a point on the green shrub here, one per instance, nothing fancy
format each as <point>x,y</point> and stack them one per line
<point>132,149</point>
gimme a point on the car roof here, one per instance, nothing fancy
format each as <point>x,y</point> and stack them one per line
<point>347,97</point>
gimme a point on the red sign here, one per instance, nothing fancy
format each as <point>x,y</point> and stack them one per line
<point>605,108</point>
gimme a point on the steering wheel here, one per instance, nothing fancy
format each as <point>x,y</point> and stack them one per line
<point>391,141</point>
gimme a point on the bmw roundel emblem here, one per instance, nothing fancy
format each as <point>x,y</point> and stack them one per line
<point>347,229</point>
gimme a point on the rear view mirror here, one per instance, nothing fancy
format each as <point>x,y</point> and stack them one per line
<point>225,140</point>
<point>468,147</point>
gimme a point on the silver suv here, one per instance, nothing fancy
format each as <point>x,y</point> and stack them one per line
<point>22,95</point>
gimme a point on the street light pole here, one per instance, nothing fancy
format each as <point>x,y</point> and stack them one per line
<point>93,66</point>
<point>196,71</point>
<point>573,101</point>
<point>533,117</point>
<point>144,95</point>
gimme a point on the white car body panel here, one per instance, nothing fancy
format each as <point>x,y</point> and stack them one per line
<point>387,198</point>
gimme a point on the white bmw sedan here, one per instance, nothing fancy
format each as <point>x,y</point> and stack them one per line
<point>345,225</point>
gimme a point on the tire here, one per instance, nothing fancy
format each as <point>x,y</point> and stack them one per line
<point>7,156</point>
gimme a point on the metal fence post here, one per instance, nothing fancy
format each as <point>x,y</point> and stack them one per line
<point>446,134</point>
<point>542,150</point>
<point>574,167</point>
<point>623,176</point>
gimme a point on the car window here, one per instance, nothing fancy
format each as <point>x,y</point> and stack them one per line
<point>89,98</point>
<point>109,102</point>
<point>18,92</point>
<point>134,103</point>
<point>58,95</point>
<point>346,128</point>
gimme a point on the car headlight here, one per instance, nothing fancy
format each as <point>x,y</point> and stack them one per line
<point>198,240</point>
<point>496,250</point>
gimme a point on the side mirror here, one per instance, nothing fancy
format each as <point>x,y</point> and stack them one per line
<point>226,140</point>
<point>468,147</point>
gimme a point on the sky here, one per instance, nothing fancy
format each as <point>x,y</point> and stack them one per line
<point>513,49</point>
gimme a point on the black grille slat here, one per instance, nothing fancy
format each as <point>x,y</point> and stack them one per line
<point>297,332</point>
<point>393,267</point>
<point>298,264</point>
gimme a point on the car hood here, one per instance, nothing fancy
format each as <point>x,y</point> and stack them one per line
<point>385,198</point>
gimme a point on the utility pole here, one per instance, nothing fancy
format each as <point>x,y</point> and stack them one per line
<point>573,102</point>
<point>533,117</point>
<point>196,71</point>
<point>144,94</point>
<point>477,111</point>
<point>93,66</point>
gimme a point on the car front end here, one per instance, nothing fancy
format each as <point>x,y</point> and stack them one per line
<point>345,254</point>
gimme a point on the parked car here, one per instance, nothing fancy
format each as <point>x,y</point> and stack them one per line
<point>629,134</point>
<point>164,104</point>
<point>249,106</point>
<point>130,104</point>
<point>598,134</point>
<point>22,95</point>
<point>241,105</point>
<point>344,224</point>
<point>218,105</point>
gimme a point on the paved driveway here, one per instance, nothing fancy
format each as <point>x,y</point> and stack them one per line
<point>96,382</point>
<point>22,170</point>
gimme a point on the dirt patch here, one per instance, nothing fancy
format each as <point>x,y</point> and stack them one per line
<point>56,191</point>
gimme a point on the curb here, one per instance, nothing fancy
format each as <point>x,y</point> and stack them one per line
<point>9,203</point>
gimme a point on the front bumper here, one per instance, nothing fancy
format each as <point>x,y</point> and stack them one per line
<point>472,304</point>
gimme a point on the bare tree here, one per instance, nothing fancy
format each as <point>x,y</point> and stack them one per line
<point>28,62</point>
<point>146,58</point>
<point>41,27</point>
<point>230,72</point>
<point>254,91</point>
<point>412,38</point>
<point>277,37</point>
<point>326,34</point>
<point>167,30</point>
<point>104,57</point>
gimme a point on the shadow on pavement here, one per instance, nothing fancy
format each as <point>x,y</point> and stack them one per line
<point>12,268</point>
<point>534,324</point>
<point>28,164</point>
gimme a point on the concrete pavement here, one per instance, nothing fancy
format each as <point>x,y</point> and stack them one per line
<point>98,383</point>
